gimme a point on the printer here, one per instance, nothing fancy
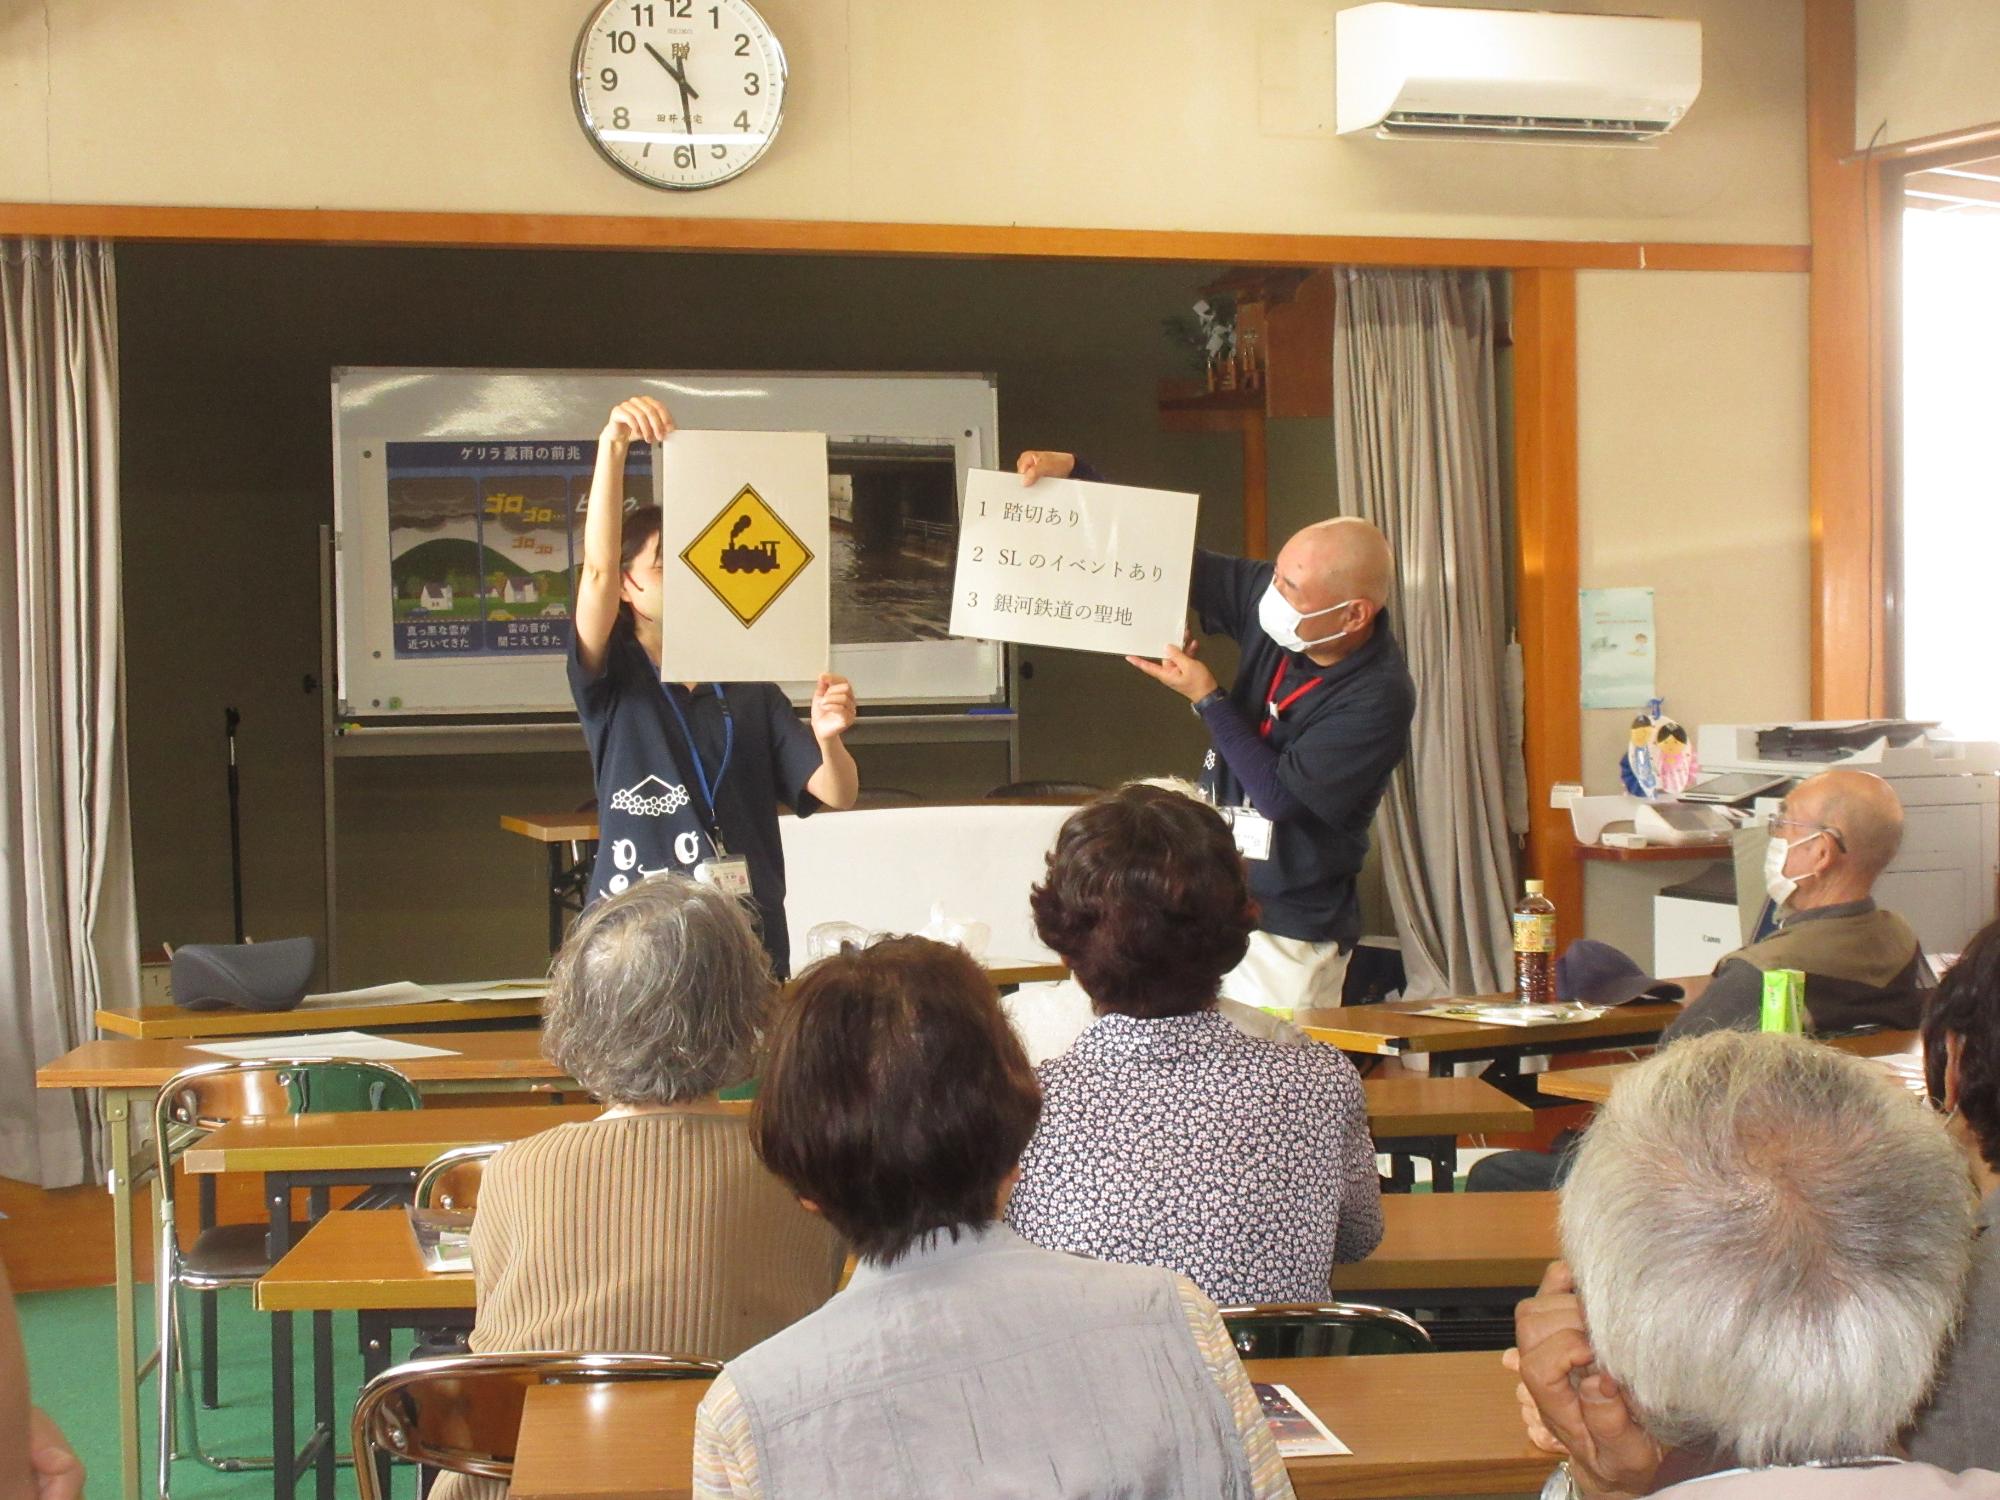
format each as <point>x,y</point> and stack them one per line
<point>1943,879</point>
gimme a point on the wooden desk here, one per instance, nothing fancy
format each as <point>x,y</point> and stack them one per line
<point>157,1022</point>
<point>130,1072</point>
<point>1590,1085</point>
<point>1413,1117</point>
<point>570,841</point>
<point>404,1138</point>
<point>1413,1106</point>
<point>478,1058</point>
<point>1455,1248</point>
<point>1593,1085</point>
<point>1419,1424</point>
<point>1395,1029</point>
<point>359,1261</point>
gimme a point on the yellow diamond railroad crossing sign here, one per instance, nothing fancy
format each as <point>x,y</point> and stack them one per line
<point>747,556</point>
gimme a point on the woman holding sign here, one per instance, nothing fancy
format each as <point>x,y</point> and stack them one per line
<point>689,775</point>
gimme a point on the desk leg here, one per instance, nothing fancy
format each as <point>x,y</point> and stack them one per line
<point>211,1394</point>
<point>118,1118</point>
<point>284,1439</point>
<point>558,894</point>
<point>322,1375</point>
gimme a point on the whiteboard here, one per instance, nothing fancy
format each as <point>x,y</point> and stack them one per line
<point>456,519</point>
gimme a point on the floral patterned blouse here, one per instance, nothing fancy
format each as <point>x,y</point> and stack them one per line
<point>1244,1164</point>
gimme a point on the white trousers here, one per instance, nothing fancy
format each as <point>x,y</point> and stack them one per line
<point>1287,974</point>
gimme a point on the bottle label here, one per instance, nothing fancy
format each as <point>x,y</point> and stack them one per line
<point>1534,932</point>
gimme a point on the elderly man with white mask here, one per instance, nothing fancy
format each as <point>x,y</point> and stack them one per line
<point>1766,1244</point>
<point>1832,837</point>
<point>1302,744</point>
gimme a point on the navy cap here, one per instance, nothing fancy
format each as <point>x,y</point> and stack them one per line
<point>1598,974</point>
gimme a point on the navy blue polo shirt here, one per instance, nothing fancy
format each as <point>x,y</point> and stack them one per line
<point>1337,744</point>
<point>651,812</point>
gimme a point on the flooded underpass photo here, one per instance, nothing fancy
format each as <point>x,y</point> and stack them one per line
<point>894,535</point>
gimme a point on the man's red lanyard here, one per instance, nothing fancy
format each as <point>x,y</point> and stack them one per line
<point>1274,706</point>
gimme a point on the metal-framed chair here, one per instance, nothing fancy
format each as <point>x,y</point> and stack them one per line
<point>1310,1330</point>
<point>462,1413</point>
<point>190,1104</point>
<point>451,1178</point>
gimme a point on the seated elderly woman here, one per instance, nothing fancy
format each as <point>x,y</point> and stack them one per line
<point>1767,1242</point>
<point>1956,1429</point>
<point>1169,1137</point>
<point>653,1228</point>
<point>959,1360</point>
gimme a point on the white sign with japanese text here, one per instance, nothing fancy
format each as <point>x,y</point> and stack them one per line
<point>743,557</point>
<point>1062,562</point>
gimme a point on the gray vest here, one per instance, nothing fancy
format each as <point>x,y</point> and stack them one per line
<point>990,1367</point>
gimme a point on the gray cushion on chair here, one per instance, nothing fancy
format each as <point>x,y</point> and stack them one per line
<point>246,976</point>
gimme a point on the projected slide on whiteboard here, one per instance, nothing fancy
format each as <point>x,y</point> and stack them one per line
<point>458,503</point>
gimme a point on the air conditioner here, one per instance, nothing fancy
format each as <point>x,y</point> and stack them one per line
<point>1421,71</point>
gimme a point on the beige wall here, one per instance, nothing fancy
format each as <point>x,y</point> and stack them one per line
<point>1924,67</point>
<point>1199,114</point>
<point>1692,482</point>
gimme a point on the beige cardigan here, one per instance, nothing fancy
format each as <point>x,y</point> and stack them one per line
<point>656,1233</point>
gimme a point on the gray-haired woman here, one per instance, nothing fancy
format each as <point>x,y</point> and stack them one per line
<point>652,1228</point>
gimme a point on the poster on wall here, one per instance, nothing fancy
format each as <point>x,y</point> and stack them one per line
<point>482,476</point>
<point>1065,562</point>
<point>1618,647</point>
<point>484,538</point>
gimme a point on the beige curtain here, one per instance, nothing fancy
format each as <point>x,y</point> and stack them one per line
<point>1416,452</point>
<point>68,937</point>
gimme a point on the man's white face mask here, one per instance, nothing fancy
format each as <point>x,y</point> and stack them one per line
<point>1779,886</point>
<point>1281,621</point>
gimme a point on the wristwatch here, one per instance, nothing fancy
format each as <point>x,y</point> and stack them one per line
<point>1559,1485</point>
<point>1206,700</point>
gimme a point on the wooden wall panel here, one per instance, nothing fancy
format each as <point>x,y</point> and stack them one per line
<point>1545,503</point>
<point>1847,354</point>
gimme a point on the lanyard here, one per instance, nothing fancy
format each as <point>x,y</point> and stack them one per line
<point>1274,705</point>
<point>708,789</point>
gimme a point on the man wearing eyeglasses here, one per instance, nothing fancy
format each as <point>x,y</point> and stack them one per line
<point>1832,837</point>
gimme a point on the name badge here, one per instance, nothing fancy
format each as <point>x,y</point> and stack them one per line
<point>1251,830</point>
<point>729,873</point>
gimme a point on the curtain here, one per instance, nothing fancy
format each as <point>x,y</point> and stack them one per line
<point>1416,451</point>
<point>68,933</point>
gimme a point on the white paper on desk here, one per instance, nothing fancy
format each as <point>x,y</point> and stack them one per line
<point>402,992</point>
<point>493,989</point>
<point>335,1044</point>
<point>1295,1426</point>
<point>1515,1015</point>
<point>1063,562</point>
<point>1907,1068</point>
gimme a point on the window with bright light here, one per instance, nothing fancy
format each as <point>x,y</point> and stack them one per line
<point>1950,607</point>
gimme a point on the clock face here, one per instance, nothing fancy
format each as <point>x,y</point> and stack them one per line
<point>679,93</point>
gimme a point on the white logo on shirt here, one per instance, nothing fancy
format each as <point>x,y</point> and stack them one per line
<point>641,800</point>
<point>1208,761</point>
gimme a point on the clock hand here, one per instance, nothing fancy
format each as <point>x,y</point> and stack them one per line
<point>688,90</point>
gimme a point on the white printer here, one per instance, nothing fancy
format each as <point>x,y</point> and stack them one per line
<point>1942,881</point>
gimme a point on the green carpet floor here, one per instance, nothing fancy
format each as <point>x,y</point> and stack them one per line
<point>71,1341</point>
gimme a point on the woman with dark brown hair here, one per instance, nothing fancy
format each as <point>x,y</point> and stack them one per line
<point>959,1360</point>
<point>1168,1136</point>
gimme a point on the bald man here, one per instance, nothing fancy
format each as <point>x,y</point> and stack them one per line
<point>1832,836</point>
<point>1302,743</point>
<point>1830,839</point>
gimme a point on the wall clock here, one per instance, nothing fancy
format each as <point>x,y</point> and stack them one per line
<point>679,94</point>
